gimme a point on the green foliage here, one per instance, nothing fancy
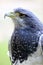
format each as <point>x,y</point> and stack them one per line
<point>4,59</point>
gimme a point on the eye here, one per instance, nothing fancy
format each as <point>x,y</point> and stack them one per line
<point>22,15</point>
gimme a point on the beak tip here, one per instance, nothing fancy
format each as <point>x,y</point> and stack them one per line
<point>5,16</point>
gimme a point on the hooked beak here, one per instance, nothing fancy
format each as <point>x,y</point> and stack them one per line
<point>11,15</point>
<point>15,17</point>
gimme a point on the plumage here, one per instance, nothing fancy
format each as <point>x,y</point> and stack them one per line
<point>25,43</point>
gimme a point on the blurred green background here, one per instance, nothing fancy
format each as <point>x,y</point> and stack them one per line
<point>4,60</point>
<point>6,25</point>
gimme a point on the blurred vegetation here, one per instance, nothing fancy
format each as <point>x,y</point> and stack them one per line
<point>4,59</point>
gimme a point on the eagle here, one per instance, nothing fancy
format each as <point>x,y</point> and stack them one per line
<point>26,44</point>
